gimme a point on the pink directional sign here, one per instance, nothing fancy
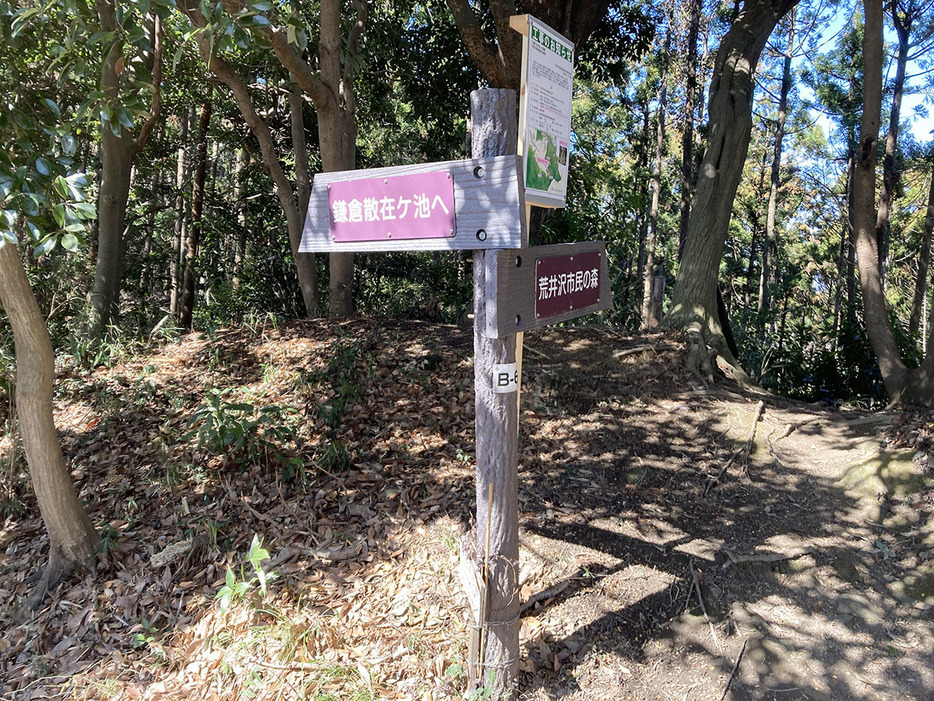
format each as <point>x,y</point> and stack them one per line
<point>419,206</point>
<point>567,282</point>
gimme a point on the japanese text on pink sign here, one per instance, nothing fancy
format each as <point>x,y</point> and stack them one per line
<point>417,206</point>
<point>564,283</point>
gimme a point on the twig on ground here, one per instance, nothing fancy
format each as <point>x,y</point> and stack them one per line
<point>729,682</point>
<point>542,595</point>
<point>641,349</point>
<point>700,599</point>
<point>745,450</point>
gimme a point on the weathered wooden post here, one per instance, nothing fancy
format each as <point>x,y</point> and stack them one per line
<point>493,547</point>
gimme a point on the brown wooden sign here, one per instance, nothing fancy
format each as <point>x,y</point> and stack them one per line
<point>472,204</point>
<point>533,287</point>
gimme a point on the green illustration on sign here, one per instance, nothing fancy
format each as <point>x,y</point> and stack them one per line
<point>542,168</point>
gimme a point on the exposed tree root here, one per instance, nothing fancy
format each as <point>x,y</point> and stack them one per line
<point>54,573</point>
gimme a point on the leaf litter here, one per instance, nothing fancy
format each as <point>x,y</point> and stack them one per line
<point>346,450</point>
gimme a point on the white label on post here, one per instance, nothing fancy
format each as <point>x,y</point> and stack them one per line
<point>505,378</point>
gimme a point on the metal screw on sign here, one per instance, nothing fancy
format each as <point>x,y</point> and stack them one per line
<point>481,235</point>
<point>478,172</point>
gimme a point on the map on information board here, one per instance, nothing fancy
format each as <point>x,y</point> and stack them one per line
<point>545,119</point>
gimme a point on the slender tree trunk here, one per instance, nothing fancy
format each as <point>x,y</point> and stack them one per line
<point>768,245</point>
<point>72,538</point>
<point>117,152</point>
<point>651,243</point>
<point>197,210</point>
<point>756,225</point>
<point>337,135</point>
<point>687,137</point>
<point>304,261</point>
<point>731,93</point>
<point>180,232</point>
<point>851,242</point>
<point>875,311</point>
<point>243,159</point>
<point>145,273</point>
<point>644,191</point>
<point>924,263</point>
<point>890,171</point>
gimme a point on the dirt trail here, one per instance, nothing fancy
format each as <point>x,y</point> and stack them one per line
<point>664,555</point>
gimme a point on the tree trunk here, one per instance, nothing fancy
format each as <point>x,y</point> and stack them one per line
<point>243,159</point>
<point>303,261</point>
<point>890,172</point>
<point>117,152</point>
<point>648,275</point>
<point>694,305</point>
<point>687,137</point>
<point>875,312</point>
<point>72,538</point>
<point>337,135</point>
<point>197,209</point>
<point>180,232</point>
<point>241,94</point>
<point>924,263</point>
<point>768,245</point>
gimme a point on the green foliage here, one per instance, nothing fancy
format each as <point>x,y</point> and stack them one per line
<point>235,588</point>
<point>242,433</point>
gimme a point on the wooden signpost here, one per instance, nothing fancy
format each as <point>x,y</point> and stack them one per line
<point>480,204</point>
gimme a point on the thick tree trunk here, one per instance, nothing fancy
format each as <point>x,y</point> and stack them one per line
<point>72,538</point>
<point>924,264</point>
<point>875,311</point>
<point>768,245</point>
<point>694,304</point>
<point>648,321</point>
<point>197,210</point>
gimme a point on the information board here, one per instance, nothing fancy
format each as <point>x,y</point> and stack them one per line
<point>547,88</point>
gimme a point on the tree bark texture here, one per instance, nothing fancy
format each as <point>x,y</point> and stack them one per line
<point>694,305</point>
<point>875,310</point>
<point>768,244</point>
<point>494,133</point>
<point>197,210</point>
<point>72,538</point>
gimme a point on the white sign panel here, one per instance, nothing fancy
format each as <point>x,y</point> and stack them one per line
<point>545,110</point>
<point>505,378</point>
